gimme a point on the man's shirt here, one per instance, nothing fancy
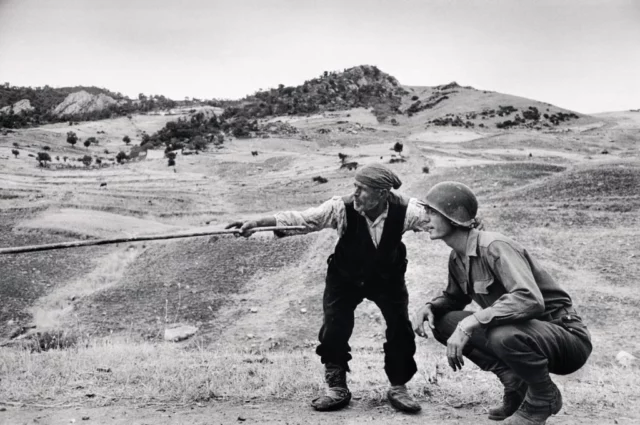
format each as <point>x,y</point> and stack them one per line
<point>506,282</point>
<point>333,214</point>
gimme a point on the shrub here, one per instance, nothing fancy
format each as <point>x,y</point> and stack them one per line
<point>16,144</point>
<point>46,148</point>
<point>121,156</point>
<point>87,143</point>
<point>320,179</point>
<point>398,147</point>
<point>126,140</point>
<point>86,160</point>
<point>15,152</point>
<point>43,158</point>
<point>425,169</point>
<point>172,158</point>
<point>415,98</point>
<point>72,139</point>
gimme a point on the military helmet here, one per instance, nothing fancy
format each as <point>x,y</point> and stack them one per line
<point>455,201</point>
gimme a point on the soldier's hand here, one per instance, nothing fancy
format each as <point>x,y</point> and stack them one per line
<point>244,226</point>
<point>455,345</point>
<point>424,314</point>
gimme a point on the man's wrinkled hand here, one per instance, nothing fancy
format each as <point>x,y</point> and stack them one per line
<point>244,226</point>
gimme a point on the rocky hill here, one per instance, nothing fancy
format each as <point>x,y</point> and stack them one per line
<point>83,102</point>
<point>360,86</point>
<point>27,106</point>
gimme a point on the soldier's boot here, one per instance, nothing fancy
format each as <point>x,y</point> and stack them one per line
<point>337,394</point>
<point>542,400</point>
<point>515,390</point>
<point>400,398</point>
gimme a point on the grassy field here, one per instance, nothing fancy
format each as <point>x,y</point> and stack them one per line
<point>257,302</point>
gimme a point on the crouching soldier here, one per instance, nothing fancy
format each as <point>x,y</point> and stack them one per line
<point>527,326</point>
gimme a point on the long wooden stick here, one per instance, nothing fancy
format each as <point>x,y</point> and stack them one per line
<point>74,244</point>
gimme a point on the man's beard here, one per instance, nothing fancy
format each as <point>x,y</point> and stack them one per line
<point>361,208</point>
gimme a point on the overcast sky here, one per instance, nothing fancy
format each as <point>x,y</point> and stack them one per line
<point>583,55</point>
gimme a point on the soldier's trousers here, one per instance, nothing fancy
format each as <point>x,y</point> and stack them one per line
<point>530,349</point>
<point>341,297</point>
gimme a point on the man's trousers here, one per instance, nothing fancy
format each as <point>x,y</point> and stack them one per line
<point>341,297</point>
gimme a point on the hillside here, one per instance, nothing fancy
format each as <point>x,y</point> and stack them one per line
<point>26,106</point>
<point>566,191</point>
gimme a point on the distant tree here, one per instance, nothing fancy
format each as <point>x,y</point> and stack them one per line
<point>172,159</point>
<point>86,160</point>
<point>126,140</point>
<point>64,158</point>
<point>98,161</point>
<point>72,139</point>
<point>87,143</point>
<point>398,147</point>
<point>57,158</point>
<point>15,152</point>
<point>145,138</point>
<point>16,144</point>
<point>121,157</point>
<point>46,148</point>
<point>43,158</point>
<point>106,151</point>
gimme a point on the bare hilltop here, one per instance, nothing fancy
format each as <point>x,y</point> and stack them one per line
<point>84,330</point>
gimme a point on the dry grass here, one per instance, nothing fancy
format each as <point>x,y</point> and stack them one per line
<point>107,371</point>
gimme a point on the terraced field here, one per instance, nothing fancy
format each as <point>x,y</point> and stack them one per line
<point>257,302</point>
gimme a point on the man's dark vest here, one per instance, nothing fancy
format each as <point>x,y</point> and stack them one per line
<point>356,257</point>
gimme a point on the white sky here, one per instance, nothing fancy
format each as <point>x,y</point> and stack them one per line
<point>583,55</point>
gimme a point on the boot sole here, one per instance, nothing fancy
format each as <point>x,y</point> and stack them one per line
<point>402,407</point>
<point>340,404</point>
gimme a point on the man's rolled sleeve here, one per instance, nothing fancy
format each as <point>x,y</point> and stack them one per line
<point>523,300</point>
<point>330,214</point>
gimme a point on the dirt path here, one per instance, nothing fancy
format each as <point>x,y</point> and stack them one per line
<point>273,412</point>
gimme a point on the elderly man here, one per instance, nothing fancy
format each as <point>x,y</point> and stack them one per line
<point>369,261</point>
<point>526,327</point>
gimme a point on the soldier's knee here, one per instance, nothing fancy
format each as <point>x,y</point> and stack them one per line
<point>500,338</point>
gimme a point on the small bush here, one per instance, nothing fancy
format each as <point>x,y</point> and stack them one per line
<point>320,179</point>
<point>15,152</point>
<point>43,158</point>
<point>425,169</point>
<point>72,138</point>
<point>46,148</point>
<point>121,156</point>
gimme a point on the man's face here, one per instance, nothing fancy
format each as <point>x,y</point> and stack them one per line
<point>439,226</point>
<point>367,198</point>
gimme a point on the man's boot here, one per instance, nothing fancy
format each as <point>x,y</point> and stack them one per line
<point>400,398</point>
<point>542,400</point>
<point>337,394</point>
<point>515,390</point>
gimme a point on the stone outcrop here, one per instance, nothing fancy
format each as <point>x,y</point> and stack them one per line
<point>23,105</point>
<point>82,102</point>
